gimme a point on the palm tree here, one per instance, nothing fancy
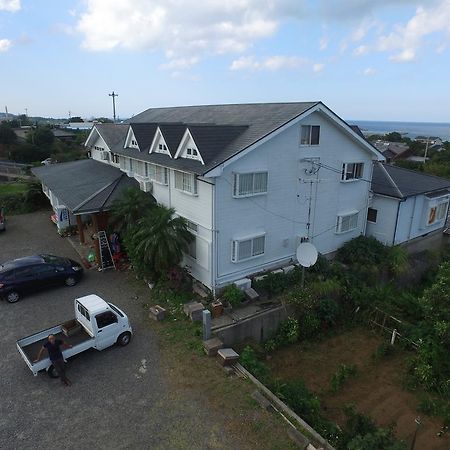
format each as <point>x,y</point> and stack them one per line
<point>129,208</point>
<point>158,241</point>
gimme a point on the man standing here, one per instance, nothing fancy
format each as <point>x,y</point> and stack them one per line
<point>53,347</point>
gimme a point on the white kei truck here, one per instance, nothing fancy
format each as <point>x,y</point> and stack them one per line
<point>97,324</point>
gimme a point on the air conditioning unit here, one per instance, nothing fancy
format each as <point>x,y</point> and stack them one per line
<point>146,186</point>
<point>104,156</point>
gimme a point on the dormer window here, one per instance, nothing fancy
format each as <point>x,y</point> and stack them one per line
<point>131,141</point>
<point>162,148</point>
<point>191,153</point>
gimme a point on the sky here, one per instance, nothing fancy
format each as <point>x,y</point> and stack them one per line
<point>365,59</point>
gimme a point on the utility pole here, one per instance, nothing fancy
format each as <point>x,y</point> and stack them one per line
<point>114,95</point>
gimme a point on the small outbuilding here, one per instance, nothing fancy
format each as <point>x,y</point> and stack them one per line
<point>406,205</point>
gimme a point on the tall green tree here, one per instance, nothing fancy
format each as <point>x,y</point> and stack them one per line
<point>158,241</point>
<point>129,208</point>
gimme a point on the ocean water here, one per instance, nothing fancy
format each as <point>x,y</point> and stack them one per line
<point>409,129</point>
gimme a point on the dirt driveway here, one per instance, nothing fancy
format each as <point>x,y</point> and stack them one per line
<point>120,398</point>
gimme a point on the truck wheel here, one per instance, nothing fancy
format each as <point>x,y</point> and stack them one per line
<point>52,373</point>
<point>12,297</point>
<point>124,339</point>
<point>70,281</point>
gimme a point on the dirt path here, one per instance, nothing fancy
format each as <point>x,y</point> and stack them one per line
<point>376,390</point>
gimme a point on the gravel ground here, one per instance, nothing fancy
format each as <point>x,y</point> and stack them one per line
<point>119,398</point>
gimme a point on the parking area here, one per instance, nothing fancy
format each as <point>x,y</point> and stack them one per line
<point>119,397</point>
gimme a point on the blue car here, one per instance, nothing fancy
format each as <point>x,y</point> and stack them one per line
<point>32,273</point>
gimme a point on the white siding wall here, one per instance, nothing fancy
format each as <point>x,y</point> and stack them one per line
<point>95,154</point>
<point>197,209</point>
<point>282,213</point>
<point>384,228</point>
<point>413,218</point>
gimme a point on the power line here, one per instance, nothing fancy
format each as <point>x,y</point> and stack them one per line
<point>114,95</point>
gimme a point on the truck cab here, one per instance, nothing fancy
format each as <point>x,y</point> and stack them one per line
<point>102,320</point>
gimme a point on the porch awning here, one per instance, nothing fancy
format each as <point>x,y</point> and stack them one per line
<point>84,186</point>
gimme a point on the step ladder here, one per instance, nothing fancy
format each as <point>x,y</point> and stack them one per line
<point>106,259</point>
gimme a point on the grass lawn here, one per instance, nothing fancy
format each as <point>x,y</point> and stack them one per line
<point>12,188</point>
<point>193,375</point>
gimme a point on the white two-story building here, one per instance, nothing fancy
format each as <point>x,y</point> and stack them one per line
<point>253,180</point>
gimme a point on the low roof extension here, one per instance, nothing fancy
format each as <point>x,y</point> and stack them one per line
<point>397,182</point>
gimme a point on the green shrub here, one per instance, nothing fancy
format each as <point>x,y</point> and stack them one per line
<point>306,405</point>
<point>361,433</point>
<point>249,360</point>
<point>288,333</point>
<point>328,311</point>
<point>233,295</point>
<point>363,252</point>
<point>435,406</point>
<point>341,376</point>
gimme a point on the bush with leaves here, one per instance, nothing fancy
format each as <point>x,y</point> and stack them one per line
<point>250,361</point>
<point>233,295</point>
<point>361,433</point>
<point>288,333</point>
<point>341,376</point>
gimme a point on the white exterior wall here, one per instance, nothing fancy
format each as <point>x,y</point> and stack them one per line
<point>95,154</point>
<point>197,209</point>
<point>413,218</point>
<point>282,213</point>
<point>384,228</point>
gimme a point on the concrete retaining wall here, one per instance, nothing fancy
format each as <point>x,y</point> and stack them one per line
<point>258,327</point>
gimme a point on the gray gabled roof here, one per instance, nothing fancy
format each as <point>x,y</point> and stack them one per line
<point>86,185</point>
<point>233,128</point>
<point>394,181</point>
<point>113,133</point>
<point>221,131</point>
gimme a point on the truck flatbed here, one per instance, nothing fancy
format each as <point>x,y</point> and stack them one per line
<point>32,349</point>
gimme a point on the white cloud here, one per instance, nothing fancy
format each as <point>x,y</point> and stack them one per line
<point>361,50</point>
<point>180,64</point>
<point>323,43</point>
<point>181,28</point>
<point>369,72</point>
<point>406,40</point>
<point>318,67</point>
<point>5,45</point>
<point>10,5</point>
<point>271,63</point>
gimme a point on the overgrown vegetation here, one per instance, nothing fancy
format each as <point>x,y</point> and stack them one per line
<point>40,144</point>
<point>342,374</point>
<point>155,239</point>
<point>233,295</point>
<point>20,198</point>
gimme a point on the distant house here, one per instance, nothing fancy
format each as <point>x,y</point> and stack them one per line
<point>406,205</point>
<point>392,150</point>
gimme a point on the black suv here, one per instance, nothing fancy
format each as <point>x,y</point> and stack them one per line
<point>31,273</point>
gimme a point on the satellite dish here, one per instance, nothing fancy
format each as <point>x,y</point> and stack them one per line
<point>307,254</point>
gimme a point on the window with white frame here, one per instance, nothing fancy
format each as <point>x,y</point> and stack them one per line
<point>100,149</point>
<point>248,184</point>
<point>346,222</point>
<point>130,166</point>
<point>441,210</point>
<point>244,249</point>
<point>193,228</point>
<point>115,158</point>
<point>437,213</point>
<point>157,173</point>
<point>186,182</point>
<point>309,135</point>
<point>192,153</point>
<point>123,163</point>
<point>352,171</point>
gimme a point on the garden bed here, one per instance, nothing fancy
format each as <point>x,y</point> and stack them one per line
<point>376,390</point>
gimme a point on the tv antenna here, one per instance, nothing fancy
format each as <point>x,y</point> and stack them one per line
<point>114,95</point>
